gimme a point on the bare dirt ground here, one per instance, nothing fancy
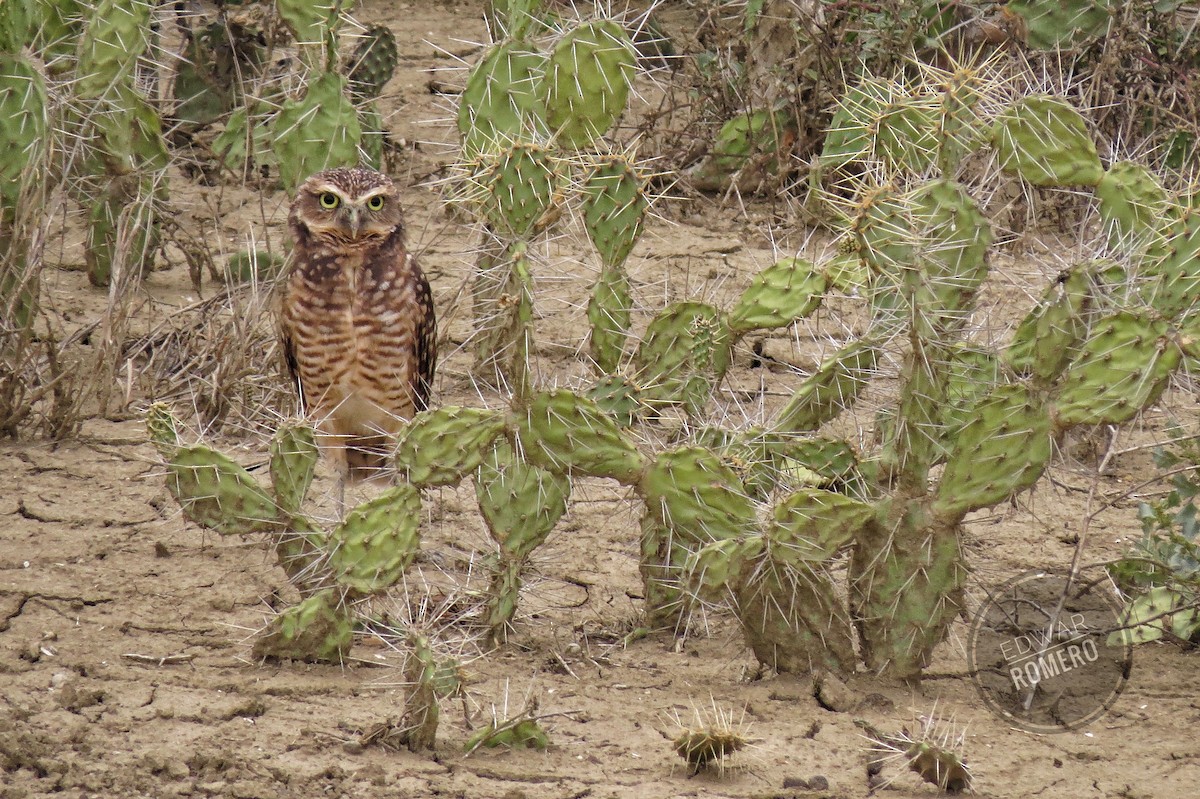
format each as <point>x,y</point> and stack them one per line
<point>125,665</point>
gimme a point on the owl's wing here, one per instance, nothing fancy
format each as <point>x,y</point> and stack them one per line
<point>426,340</point>
<point>287,344</point>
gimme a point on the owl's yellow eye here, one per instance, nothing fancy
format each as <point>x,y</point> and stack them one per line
<point>375,203</point>
<point>329,200</point>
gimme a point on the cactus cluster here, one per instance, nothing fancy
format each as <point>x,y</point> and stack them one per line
<point>365,554</point>
<point>765,517</point>
<point>532,121</point>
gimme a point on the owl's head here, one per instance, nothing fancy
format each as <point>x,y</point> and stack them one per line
<point>347,206</point>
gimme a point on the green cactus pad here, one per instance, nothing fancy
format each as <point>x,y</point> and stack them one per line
<point>793,617</point>
<point>521,187</point>
<point>1131,203</point>
<point>520,503</point>
<point>1173,263</point>
<point>440,447</point>
<point>163,430</point>
<point>749,140</point>
<point>311,23</point>
<point>617,397</point>
<point>685,352</point>
<point>110,46</point>
<point>18,21</point>
<point>831,389</point>
<point>905,138</point>
<point>697,496</point>
<point>1122,367</point>
<point>217,493</point>
<point>812,525</point>
<point>1045,141</point>
<point>614,207</point>
<point>374,136</point>
<point>569,434</point>
<point>849,137</point>
<point>790,289</point>
<point>587,82</point>
<point>1063,25</point>
<point>294,456</point>
<point>1049,336</point>
<point>377,540</point>
<point>23,135</point>
<point>502,101</point>
<point>906,579</point>
<point>372,63</point>
<point>318,131</point>
<point>609,312</point>
<point>320,629</point>
<point>831,460</point>
<point>1001,451</point>
<point>527,734</point>
<point>714,570</point>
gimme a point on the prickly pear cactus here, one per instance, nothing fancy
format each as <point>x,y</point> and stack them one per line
<point>686,350</point>
<point>1062,25</point>
<point>1122,367</point>
<point>587,82</point>
<point>217,493</point>
<point>790,289</point>
<point>520,504</point>
<point>614,208</point>
<point>519,188</point>
<point>1131,202</point>
<point>502,101</point>
<point>832,388</point>
<point>293,464</point>
<point>609,312</point>
<point>441,447</point>
<point>372,63</point>
<point>377,541</point>
<point>568,434</point>
<point>319,629</point>
<point>317,131</point>
<point>692,499</point>
<point>1001,451</point>
<point>1045,141</point>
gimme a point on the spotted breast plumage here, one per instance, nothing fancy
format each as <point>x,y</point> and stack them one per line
<point>357,320</point>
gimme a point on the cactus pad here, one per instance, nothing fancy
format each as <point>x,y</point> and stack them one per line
<point>440,447</point>
<point>790,289</point>
<point>813,525</point>
<point>1121,368</point>
<point>1002,450</point>
<point>318,131</point>
<point>520,188</point>
<point>502,101</point>
<point>372,63</point>
<point>217,493</point>
<point>1131,202</point>
<point>568,434</point>
<point>377,541</point>
<point>614,206</point>
<point>319,629</point>
<point>587,82</point>
<point>686,350</point>
<point>163,430</point>
<point>609,313</point>
<point>831,389</point>
<point>293,462</point>
<point>1045,141</point>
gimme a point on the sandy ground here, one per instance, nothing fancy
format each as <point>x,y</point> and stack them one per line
<point>125,665</point>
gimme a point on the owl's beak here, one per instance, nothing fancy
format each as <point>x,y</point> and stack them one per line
<point>354,220</point>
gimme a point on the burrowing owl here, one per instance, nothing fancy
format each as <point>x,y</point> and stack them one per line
<point>357,319</point>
